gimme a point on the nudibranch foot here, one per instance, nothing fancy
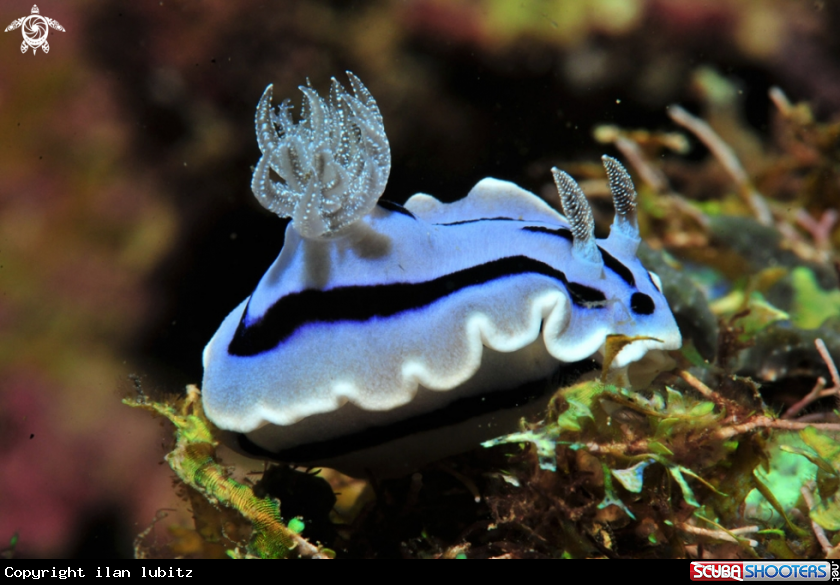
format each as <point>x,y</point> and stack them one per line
<point>399,441</point>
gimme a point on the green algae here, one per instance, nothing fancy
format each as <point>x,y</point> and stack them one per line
<point>193,460</point>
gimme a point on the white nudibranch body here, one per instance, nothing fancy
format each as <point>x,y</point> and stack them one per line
<point>386,336</point>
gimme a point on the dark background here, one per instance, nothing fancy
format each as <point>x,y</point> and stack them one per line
<point>127,227</point>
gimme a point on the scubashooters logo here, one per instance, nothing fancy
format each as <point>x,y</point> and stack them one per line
<point>764,571</point>
<point>35,29</point>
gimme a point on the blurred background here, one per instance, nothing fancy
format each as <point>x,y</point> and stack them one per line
<point>127,226</point>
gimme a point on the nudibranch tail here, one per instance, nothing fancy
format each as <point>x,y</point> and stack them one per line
<point>625,224</point>
<point>332,165</point>
<point>577,211</point>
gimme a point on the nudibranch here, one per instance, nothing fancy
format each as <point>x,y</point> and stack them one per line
<point>385,336</point>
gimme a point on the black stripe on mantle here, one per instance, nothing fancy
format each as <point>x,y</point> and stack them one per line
<point>456,412</point>
<point>362,303</point>
<point>609,260</point>
<point>395,207</point>
<point>479,219</point>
